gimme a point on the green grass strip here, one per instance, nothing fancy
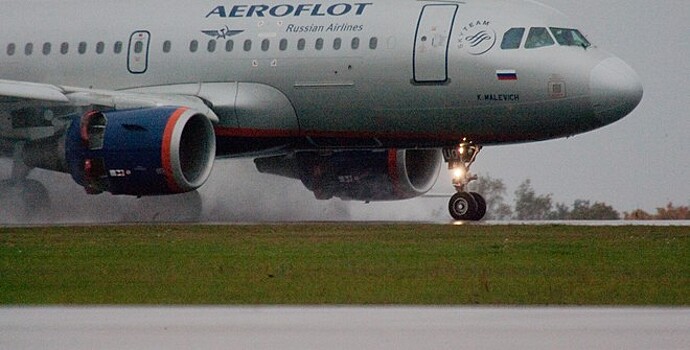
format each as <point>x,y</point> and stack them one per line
<point>345,264</point>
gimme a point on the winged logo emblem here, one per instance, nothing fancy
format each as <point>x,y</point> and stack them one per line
<point>222,33</point>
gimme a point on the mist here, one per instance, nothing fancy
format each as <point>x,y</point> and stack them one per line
<point>235,192</point>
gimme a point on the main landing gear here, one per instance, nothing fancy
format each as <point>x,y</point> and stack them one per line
<point>464,206</point>
<point>22,199</point>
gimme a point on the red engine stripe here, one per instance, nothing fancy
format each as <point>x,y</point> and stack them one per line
<point>166,156</point>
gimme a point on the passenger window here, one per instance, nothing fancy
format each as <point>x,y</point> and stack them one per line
<point>100,47</point>
<point>247,45</point>
<point>167,46</point>
<point>211,46</point>
<point>11,48</point>
<point>373,43</point>
<point>64,48</point>
<point>337,43</point>
<point>512,38</point>
<point>355,43</point>
<point>570,37</point>
<point>283,44</point>
<point>265,45</point>
<point>193,46</point>
<point>82,48</point>
<point>319,43</point>
<point>29,49</point>
<point>538,37</point>
<point>117,48</point>
<point>229,45</point>
<point>46,49</point>
<point>301,44</point>
<point>138,47</point>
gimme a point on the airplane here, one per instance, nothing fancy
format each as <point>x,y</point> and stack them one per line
<point>358,99</point>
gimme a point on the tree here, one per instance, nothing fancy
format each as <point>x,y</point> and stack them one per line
<point>582,210</point>
<point>638,214</point>
<point>673,213</point>
<point>493,191</point>
<point>562,212</point>
<point>670,212</point>
<point>529,205</point>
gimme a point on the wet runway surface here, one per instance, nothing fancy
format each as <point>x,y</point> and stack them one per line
<point>683,223</point>
<point>343,328</point>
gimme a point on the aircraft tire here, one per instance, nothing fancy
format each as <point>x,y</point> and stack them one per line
<point>481,206</point>
<point>462,206</point>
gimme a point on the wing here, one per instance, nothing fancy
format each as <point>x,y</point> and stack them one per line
<point>30,111</point>
<point>13,90</point>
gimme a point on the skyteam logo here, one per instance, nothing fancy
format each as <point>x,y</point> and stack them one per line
<point>477,37</point>
<point>289,10</point>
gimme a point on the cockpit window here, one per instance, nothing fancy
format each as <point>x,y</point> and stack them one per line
<point>512,38</point>
<point>538,37</point>
<point>570,37</point>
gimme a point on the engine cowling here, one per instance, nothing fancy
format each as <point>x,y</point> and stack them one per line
<point>153,151</point>
<point>360,175</point>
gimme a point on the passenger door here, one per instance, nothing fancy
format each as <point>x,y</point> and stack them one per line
<point>431,43</point>
<point>138,52</point>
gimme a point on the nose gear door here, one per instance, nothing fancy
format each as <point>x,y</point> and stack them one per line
<point>432,40</point>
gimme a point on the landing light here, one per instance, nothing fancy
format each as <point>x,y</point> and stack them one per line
<point>458,173</point>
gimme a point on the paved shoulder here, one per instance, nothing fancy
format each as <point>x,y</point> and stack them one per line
<point>344,328</point>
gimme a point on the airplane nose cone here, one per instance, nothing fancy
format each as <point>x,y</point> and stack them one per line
<point>615,88</point>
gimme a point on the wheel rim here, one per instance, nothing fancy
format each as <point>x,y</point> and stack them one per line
<point>460,206</point>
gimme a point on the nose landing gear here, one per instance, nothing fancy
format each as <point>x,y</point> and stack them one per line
<point>465,206</point>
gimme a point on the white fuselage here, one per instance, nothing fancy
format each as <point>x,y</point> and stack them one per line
<point>401,73</point>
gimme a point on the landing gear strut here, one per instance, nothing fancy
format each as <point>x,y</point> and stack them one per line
<point>465,206</point>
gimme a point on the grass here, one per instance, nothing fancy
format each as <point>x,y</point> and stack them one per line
<point>345,264</point>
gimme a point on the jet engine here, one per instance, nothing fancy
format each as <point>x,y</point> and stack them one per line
<point>360,175</point>
<point>153,151</point>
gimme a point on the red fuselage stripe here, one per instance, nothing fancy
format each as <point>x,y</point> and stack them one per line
<point>393,170</point>
<point>265,133</point>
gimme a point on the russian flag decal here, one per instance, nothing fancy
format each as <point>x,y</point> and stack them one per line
<point>506,74</point>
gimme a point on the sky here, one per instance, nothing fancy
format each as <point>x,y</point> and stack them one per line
<point>642,161</point>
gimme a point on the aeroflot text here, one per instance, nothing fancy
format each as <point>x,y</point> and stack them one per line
<point>285,10</point>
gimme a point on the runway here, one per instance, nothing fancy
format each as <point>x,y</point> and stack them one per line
<point>604,223</point>
<point>343,328</point>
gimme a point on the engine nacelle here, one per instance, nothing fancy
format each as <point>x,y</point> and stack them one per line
<point>360,175</point>
<point>140,152</point>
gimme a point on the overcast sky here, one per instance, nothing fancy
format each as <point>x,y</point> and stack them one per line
<point>642,161</point>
